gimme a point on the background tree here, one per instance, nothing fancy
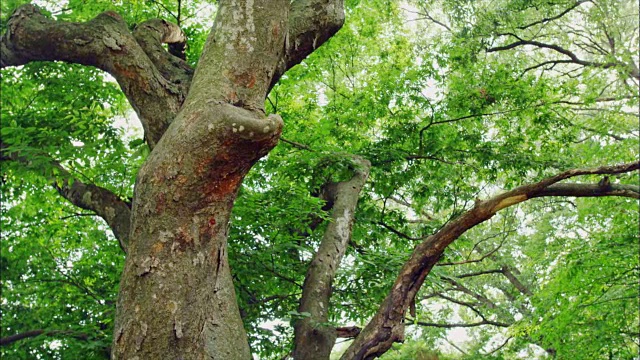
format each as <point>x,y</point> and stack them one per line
<point>427,131</point>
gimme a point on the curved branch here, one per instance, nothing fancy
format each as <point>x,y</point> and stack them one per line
<point>574,58</point>
<point>104,203</point>
<point>563,13</point>
<point>311,24</point>
<point>104,42</point>
<point>387,326</point>
<point>151,34</point>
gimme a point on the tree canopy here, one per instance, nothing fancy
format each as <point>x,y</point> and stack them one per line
<point>485,154</point>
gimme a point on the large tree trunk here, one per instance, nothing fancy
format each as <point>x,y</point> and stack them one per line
<point>177,298</point>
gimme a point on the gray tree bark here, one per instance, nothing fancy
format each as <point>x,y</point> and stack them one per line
<point>314,338</point>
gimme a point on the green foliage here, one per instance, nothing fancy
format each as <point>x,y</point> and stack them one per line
<point>442,121</point>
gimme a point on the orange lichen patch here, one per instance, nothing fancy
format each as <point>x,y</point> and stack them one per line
<point>156,248</point>
<point>245,79</point>
<point>183,240</point>
<point>275,30</point>
<point>223,174</point>
<point>113,14</point>
<point>161,202</point>
<point>217,189</point>
<point>181,180</point>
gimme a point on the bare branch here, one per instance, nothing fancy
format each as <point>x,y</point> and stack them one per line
<point>484,272</point>
<point>459,287</point>
<point>499,347</point>
<point>458,325</point>
<point>104,203</point>
<point>430,18</point>
<point>508,273</point>
<point>397,232</point>
<point>574,58</point>
<point>33,333</point>
<point>387,326</point>
<point>563,13</point>
<point>474,260</point>
<point>296,145</point>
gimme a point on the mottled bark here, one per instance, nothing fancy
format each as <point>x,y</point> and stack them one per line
<point>177,298</point>
<point>387,325</point>
<point>313,336</point>
<point>104,42</point>
<point>151,34</point>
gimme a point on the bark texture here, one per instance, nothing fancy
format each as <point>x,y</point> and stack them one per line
<point>313,336</point>
<point>177,298</point>
<point>387,325</point>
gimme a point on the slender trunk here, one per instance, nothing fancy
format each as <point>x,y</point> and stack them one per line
<point>314,338</point>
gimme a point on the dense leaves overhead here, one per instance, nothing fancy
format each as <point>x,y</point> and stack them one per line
<point>451,101</point>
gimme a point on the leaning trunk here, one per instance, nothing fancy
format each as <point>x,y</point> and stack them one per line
<point>177,298</point>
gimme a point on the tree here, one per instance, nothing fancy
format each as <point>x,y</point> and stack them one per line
<point>183,292</point>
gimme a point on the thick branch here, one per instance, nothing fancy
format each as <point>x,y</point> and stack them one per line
<point>387,326</point>
<point>104,42</point>
<point>17,337</point>
<point>151,35</point>
<point>347,332</point>
<point>103,202</point>
<point>313,339</point>
<point>311,24</point>
<point>591,190</point>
